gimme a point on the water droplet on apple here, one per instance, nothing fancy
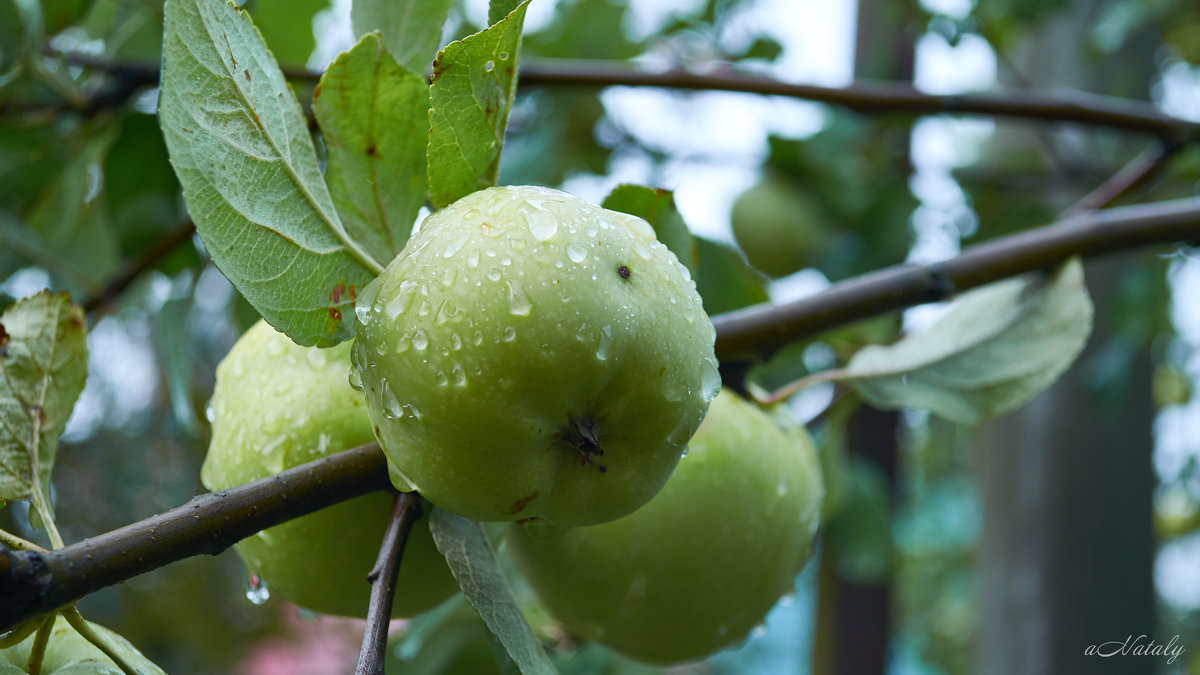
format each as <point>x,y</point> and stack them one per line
<point>455,342</point>
<point>510,334</point>
<point>391,405</point>
<point>641,251</point>
<point>473,259</point>
<point>355,379</point>
<point>606,340</point>
<point>454,247</point>
<point>505,260</point>
<point>542,225</point>
<point>477,338</point>
<point>442,380</point>
<point>420,340</point>
<point>518,302</point>
<point>710,379</point>
<point>274,348</point>
<point>256,590</point>
<point>316,358</point>
<point>457,376</point>
<point>576,253</point>
<point>493,274</point>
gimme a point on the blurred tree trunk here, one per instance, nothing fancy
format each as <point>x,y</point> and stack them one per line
<point>1066,554</point>
<point>854,618</point>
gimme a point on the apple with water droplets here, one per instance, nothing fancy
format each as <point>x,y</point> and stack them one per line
<point>529,355</point>
<point>277,405</point>
<point>697,568</point>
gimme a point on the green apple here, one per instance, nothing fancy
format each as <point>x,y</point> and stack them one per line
<point>277,405</point>
<point>699,566</point>
<point>778,227</point>
<point>69,653</point>
<point>531,355</point>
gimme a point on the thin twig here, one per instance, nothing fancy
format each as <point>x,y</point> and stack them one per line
<point>34,582</point>
<point>405,511</point>
<point>112,290</point>
<point>1133,175</point>
<point>865,97</point>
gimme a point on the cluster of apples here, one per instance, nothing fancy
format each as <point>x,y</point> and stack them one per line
<point>535,359</point>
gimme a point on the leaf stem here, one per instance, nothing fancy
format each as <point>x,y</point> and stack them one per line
<point>37,652</point>
<point>47,518</point>
<point>13,541</point>
<point>101,642</point>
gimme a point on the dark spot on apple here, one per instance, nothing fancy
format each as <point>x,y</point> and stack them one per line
<point>519,505</point>
<point>603,469</point>
<point>372,150</point>
<point>580,437</point>
<point>623,272</point>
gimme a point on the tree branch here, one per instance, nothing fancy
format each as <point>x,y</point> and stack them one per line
<point>136,267</point>
<point>405,512</point>
<point>762,329</point>
<point>1133,175</point>
<point>36,582</point>
<point>863,97</point>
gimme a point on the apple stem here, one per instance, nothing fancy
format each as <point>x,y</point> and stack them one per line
<point>405,510</point>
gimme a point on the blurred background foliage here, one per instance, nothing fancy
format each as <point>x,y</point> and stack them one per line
<point>86,192</point>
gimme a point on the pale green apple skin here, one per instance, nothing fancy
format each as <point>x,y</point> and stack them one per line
<point>531,355</point>
<point>277,405</point>
<point>699,566</point>
<point>777,227</point>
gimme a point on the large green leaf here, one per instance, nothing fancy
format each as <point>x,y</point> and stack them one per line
<point>723,278</point>
<point>656,207</point>
<point>411,29</point>
<point>69,653</point>
<point>43,365</point>
<point>241,148</point>
<point>477,570</point>
<point>374,116</point>
<point>996,349</point>
<point>474,81</point>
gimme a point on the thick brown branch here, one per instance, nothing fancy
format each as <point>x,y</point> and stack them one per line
<point>866,97</point>
<point>35,582</point>
<point>762,329</point>
<point>136,267</point>
<point>405,512</point>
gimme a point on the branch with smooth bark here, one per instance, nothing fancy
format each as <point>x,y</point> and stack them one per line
<point>864,97</point>
<point>405,511</point>
<point>36,582</point>
<point>114,287</point>
<point>762,329</point>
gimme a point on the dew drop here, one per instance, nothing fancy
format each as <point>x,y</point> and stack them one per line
<point>518,302</point>
<point>457,376</point>
<point>355,379</point>
<point>641,251</point>
<point>684,453</point>
<point>473,259</point>
<point>510,334</point>
<point>455,342</point>
<point>209,413</point>
<point>420,340</point>
<point>759,631</point>
<point>425,309</point>
<point>591,231</point>
<point>576,253</point>
<point>493,274</point>
<point>391,405</point>
<point>272,422</point>
<point>363,312</point>
<point>788,599</point>
<point>542,225</point>
<point>274,348</point>
<point>606,340</point>
<point>710,379</point>
<point>640,227</point>
<point>256,590</point>
<point>381,348</point>
<point>477,338</point>
<point>402,344</point>
<point>450,276</point>
<point>442,380</point>
<point>454,248</point>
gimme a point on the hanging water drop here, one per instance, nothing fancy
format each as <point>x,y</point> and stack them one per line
<point>256,590</point>
<point>542,225</point>
<point>391,405</point>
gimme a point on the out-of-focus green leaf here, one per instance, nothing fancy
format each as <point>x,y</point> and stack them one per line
<point>723,278</point>
<point>474,81</point>
<point>374,116</point>
<point>43,364</point>
<point>585,29</point>
<point>411,29</point>
<point>997,348</point>
<point>450,638</point>
<point>765,49</point>
<point>68,653</point>
<point>473,563</point>
<point>62,13</point>
<point>241,148</point>
<point>656,207</point>
<point>130,30</point>
<point>287,26</point>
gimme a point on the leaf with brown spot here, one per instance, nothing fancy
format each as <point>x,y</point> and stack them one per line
<point>43,365</point>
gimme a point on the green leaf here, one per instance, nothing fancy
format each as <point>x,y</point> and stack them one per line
<point>498,9</point>
<point>373,116</point>
<point>996,349</point>
<point>656,207</point>
<point>43,365</point>
<point>473,563</point>
<point>287,26</point>
<point>411,29</point>
<point>763,48</point>
<point>723,278</point>
<point>68,653</point>
<point>241,148</point>
<point>474,81</point>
